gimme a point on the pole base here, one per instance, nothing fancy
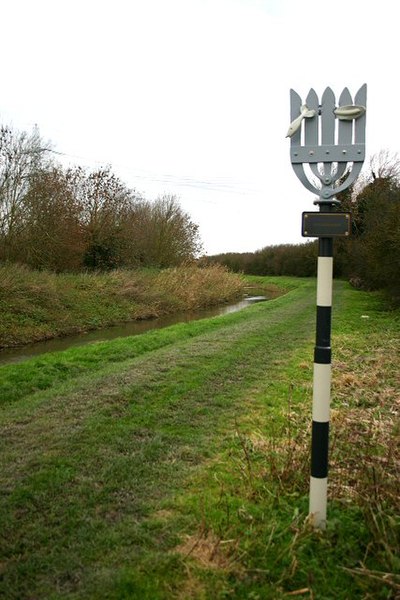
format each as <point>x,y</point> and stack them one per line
<point>318,502</point>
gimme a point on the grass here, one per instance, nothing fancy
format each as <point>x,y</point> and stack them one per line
<point>42,305</point>
<point>175,464</point>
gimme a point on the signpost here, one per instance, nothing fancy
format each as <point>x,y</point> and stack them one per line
<point>329,140</point>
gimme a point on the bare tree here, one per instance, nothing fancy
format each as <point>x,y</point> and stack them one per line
<point>21,156</point>
<point>53,236</point>
<point>174,237</point>
<point>385,165</point>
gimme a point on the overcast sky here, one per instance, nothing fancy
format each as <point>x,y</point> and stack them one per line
<point>191,97</point>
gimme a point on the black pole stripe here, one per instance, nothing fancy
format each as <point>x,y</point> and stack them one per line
<point>322,356</point>
<point>319,449</point>
<point>325,247</point>
<point>323,333</point>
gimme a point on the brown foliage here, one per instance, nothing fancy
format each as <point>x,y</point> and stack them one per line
<point>67,220</point>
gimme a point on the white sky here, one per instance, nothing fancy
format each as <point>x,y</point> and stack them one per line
<point>191,97</point>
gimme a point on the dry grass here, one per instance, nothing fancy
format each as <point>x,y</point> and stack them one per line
<point>364,450</point>
<point>38,305</point>
<point>365,429</point>
<point>364,467</point>
<point>206,551</point>
<point>365,421</point>
<point>197,288</point>
<point>209,550</point>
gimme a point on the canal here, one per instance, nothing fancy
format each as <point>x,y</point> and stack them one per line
<point>19,354</point>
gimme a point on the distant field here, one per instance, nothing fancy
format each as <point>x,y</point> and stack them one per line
<point>175,464</point>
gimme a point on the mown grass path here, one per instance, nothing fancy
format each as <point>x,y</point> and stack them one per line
<point>101,448</point>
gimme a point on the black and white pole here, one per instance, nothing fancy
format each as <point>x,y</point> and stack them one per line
<point>330,139</point>
<point>321,385</point>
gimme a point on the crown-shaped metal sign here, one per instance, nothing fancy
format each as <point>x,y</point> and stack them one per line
<point>329,137</point>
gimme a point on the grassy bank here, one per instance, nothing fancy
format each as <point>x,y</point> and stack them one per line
<point>41,305</point>
<point>175,464</point>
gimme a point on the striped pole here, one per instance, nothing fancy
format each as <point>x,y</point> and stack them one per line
<point>331,134</point>
<point>321,386</point>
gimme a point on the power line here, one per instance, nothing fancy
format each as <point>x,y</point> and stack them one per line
<point>221,184</point>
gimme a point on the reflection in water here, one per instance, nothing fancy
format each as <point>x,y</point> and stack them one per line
<point>12,355</point>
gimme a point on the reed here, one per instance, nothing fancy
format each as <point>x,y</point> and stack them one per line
<point>38,305</point>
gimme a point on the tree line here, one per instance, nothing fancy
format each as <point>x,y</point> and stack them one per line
<point>370,258</point>
<point>282,259</point>
<point>70,219</point>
